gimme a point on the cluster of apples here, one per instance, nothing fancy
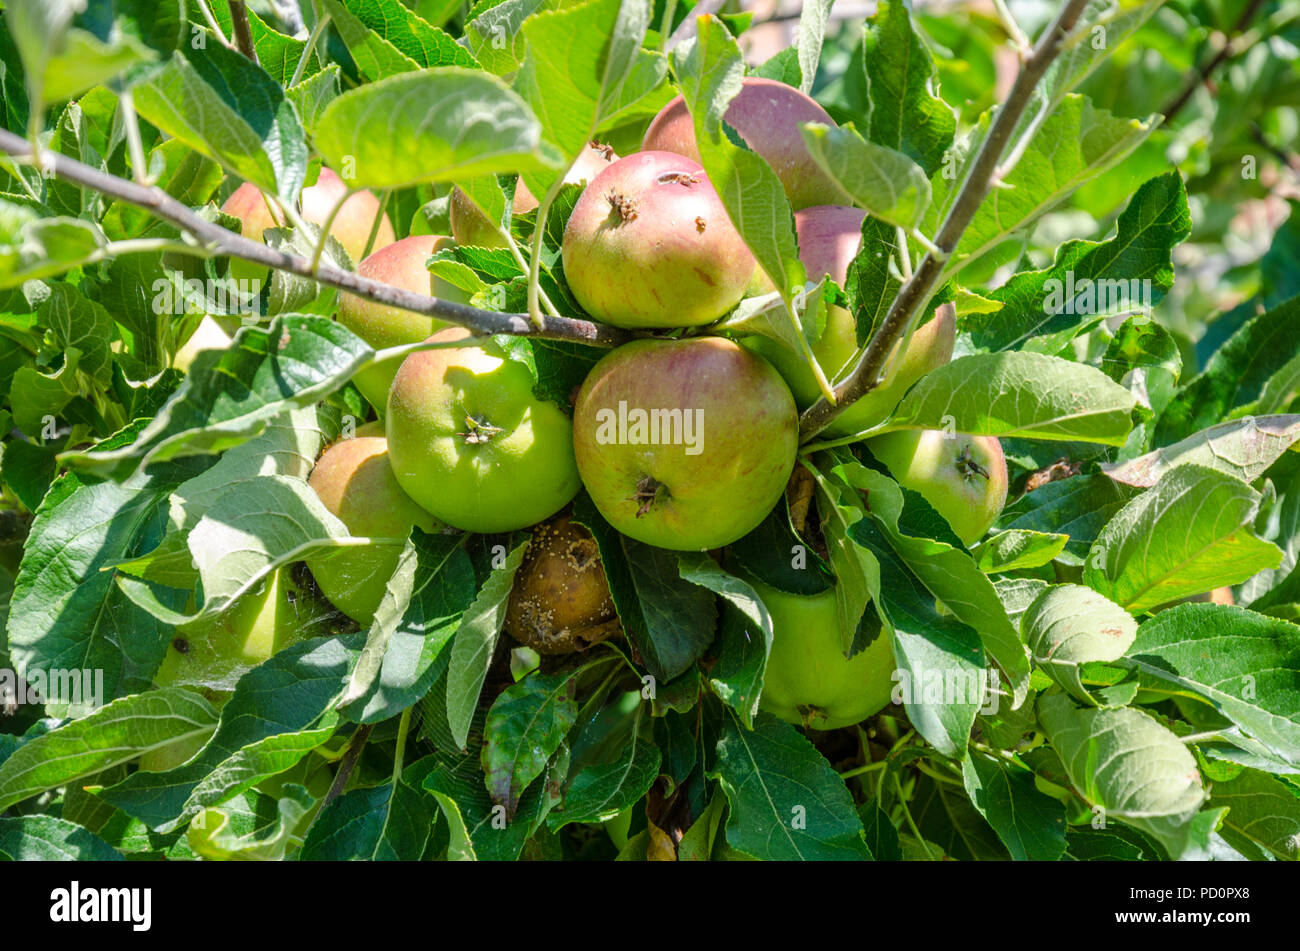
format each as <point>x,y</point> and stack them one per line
<point>683,442</point>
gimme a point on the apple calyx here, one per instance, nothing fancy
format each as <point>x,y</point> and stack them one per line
<point>479,430</point>
<point>968,467</point>
<point>648,490</point>
<point>626,207</point>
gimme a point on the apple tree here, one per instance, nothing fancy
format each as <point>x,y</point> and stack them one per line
<point>592,430</point>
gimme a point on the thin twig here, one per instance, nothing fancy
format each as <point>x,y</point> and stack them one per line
<point>1201,76</point>
<point>239,25</point>
<point>223,242</point>
<point>348,763</point>
<point>916,293</point>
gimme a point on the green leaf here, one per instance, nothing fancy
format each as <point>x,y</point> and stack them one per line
<point>251,826</point>
<point>229,396</point>
<point>230,110</point>
<point>280,710</point>
<point>33,247</point>
<point>582,65</point>
<point>1090,280</point>
<point>941,673</point>
<point>898,76</point>
<point>1018,550</point>
<point>1068,626</point>
<point>390,823</point>
<point>386,39</point>
<point>786,800</point>
<point>435,125</point>
<point>460,847</point>
<point>409,642</point>
<point>47,839</point>
<point>1235,376</point>
<point>668,620</point>
<point>1079,506</point>
<point>525,726</point>
<point>64,56</point>
<point>474,644</point>
<point>1242,448</point>
<point>117,733</point>
<point>888,184</point>
<point>1191,532</point>
<point>1030,824</point>
<point>1029,395</point>
<point>1246,664</point>
<point>1075,143</point>
<point>602,790</point>
<point>67,613</point>
<point>947,570</point>
<point>1125,762</point>
<point>1263,818</point>
<point>494,31</point>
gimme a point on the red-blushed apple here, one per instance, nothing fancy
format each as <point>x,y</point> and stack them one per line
<point>560,602</point>
<point>355,481</point>
<point>351,226</point>
<point>830,237</point>
<point>471,444</point>
<point>472,228</point>
<point>684,444</point>
<point>403,264</point>
<point>809,681</point>
<point>963,477</point>
<point>649,244</point>
<point>767,115</point>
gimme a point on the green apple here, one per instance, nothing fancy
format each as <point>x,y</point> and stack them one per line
<point>355,481</point>
<point>830,237</point>
<point>212,654</point>
<point>208,335</point>
<point>963,477</point>
<point>767,114</point>
<point>403,264</point>
<point>471,444</point>
<point>649,244</point>
<point>684,444</point>
<point>351,226</point>
<point>808,681</point>
<point>472,228</point>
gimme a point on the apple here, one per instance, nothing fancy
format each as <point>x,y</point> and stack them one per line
<point>214,653</point>
<point>649,244</point>
<point>351,226</point>
<point>767,115</point>
<point>964,477</point>
<point>560,602</point>
<point>355,481</point>
<point>684,444</point>
<point>472,228</point>
<point>403,264</point>
<point>211,655</point>
<point>830,237</point>
<point>208,335</point>
<point>808,681</point>
<point>471,444</point>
